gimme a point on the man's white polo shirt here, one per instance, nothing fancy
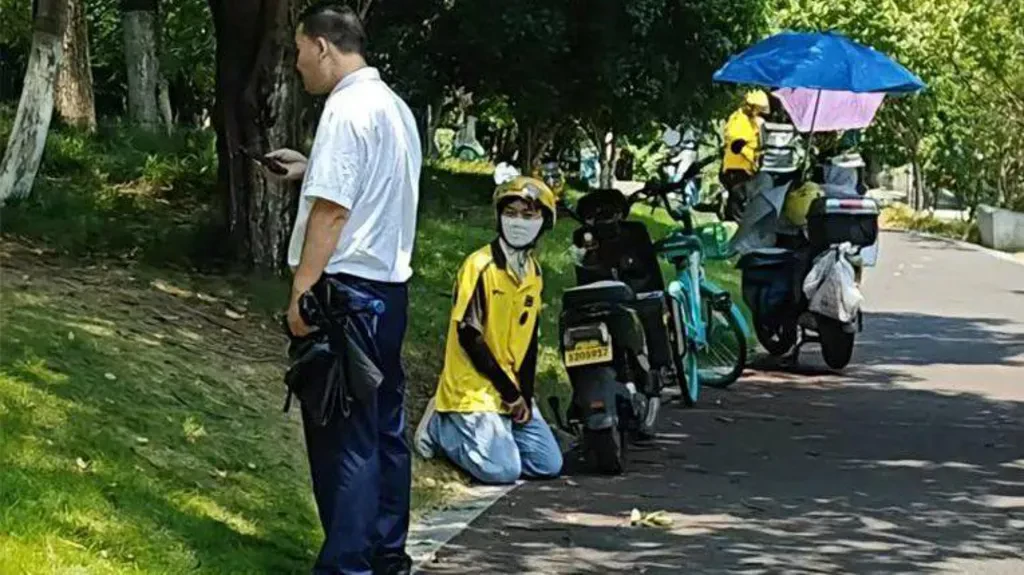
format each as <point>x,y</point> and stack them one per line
<point>366,157</point>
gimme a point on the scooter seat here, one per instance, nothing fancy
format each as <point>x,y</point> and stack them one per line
<point>605,291</point>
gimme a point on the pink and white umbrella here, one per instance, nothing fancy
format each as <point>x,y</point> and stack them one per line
<point>829,110</point>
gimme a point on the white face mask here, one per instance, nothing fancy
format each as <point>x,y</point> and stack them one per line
<point>520,232</point>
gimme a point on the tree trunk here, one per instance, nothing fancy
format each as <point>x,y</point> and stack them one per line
<point>257,108</point>
<point>608,153</point>
<point>430,150</point>
<point>141,59</point>
<point>534,141</point>
<point>35,109</point>
<point>164,103</point>
<point>74,95</point>
<point>917,197</point>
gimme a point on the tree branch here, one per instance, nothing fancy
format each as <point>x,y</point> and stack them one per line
<point>364,10</point>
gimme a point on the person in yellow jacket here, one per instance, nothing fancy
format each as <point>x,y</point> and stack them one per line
<point>742,150</point>
<point>483,417</point>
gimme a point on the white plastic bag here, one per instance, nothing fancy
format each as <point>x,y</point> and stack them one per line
<point>831,286</point>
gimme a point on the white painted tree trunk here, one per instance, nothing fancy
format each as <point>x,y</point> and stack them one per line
<point>32,121</point>
<point>74,99</point>
<point>143,67</point>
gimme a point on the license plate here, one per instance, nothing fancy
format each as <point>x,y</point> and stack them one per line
<point>588,352</point>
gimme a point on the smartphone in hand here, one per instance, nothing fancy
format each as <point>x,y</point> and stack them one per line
<point>272,165</point>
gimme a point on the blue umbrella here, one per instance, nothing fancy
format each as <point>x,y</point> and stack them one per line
<point>818,61</point>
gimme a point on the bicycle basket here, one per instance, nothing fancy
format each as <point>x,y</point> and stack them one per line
<point>714,241</point>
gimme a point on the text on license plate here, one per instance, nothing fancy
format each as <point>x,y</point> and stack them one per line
<point>584,354</point>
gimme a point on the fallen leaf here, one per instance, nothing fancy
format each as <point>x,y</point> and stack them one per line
<point>169,289</point>
<point>110,376</point>
<point>693,468</point>
<point>725,419</point>
<point>207,298</point>
<point>232,314</point>
<point>571,483</point>
<point>653,519</point>
<point>81,463</point>
<point>71,336</point>
<point>141,440</point>
<point>220,473</point>
<point>252,466</point>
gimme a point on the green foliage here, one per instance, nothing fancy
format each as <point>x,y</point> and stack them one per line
<point>15,41</point>
<point>122,191</point>
<point>966,130</point>
<point>615,66</point>
<point>186,51</point>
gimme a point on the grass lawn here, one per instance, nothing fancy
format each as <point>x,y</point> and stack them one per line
<point>140,400</point>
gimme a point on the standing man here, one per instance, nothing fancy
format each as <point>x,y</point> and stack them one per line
<point>356,223</point>
<point>742,151</point>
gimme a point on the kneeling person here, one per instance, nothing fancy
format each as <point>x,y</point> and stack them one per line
<point>483,417</point>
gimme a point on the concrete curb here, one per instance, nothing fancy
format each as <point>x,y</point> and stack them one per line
<point>960,243</point>
<point>433,531</point>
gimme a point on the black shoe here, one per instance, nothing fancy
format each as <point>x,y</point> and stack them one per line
<point>392,564</point>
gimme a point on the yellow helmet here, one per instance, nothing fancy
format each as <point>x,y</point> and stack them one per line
<point>798,202</point>
<point>530,189</point>
<point>758,99</point>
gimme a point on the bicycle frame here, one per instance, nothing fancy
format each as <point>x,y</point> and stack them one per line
<point>685,292</point>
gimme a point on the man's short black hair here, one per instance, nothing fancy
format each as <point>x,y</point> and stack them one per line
<point>336,23</point>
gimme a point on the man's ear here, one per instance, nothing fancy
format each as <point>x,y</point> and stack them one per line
<point>321,43</point>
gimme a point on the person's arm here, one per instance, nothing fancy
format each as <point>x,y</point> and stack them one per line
<point>326,220</point>
<point>470,331</point>
<point>528,369</point>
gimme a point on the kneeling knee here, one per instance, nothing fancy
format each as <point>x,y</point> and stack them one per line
<point>493,473</point>
<point>547,467</point>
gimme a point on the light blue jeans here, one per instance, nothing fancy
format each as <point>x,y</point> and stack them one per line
<point>494,450</point>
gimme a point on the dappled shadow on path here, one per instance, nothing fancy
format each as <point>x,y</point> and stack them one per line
<point>809,472</point>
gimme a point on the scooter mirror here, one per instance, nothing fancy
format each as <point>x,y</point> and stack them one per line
<point>671,137</point>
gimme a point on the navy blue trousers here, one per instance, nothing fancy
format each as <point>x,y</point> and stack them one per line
<point>361,468</point>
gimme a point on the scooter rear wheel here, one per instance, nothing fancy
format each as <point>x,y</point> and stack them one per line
<point>605,450</point>
<point>836,342</point>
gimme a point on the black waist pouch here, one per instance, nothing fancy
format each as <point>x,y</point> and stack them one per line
<point>316,379</point>
<point>335,364</point>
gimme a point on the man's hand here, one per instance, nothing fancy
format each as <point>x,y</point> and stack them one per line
<point>293,162</point>
<point>295,323</point>
<point>520,411</point>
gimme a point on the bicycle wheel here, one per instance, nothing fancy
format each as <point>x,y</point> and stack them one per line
<point>685,358</point>
<point>722,361</point>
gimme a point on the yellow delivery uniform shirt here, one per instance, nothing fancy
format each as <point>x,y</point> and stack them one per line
<point>741,127</point>
<point>510,309</point>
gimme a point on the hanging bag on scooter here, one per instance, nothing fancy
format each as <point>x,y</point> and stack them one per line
<point>831,287</point>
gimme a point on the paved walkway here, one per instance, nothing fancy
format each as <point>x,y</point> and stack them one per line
<point>910,461</point>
